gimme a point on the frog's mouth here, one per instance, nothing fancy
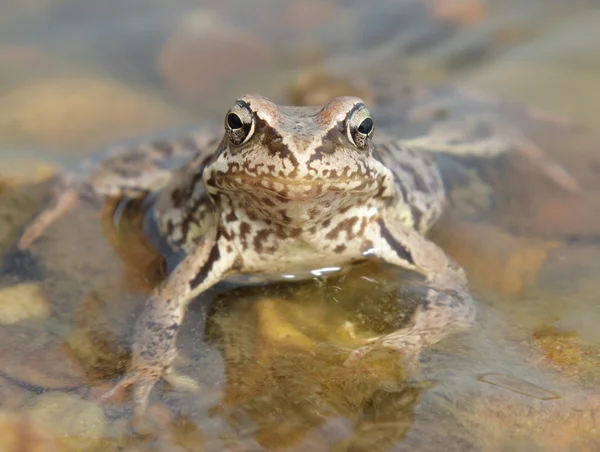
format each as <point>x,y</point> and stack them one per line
<point>293,189</point>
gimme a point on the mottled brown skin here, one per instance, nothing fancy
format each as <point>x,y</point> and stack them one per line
<point>285,191</point>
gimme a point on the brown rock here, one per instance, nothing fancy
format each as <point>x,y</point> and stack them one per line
<point>76,112</point>
<point>22,170</point>
<point>78,424</point>
<point>38,359</point>
<point>459,12</point>
<point>24,63</point>
<point>560,347</point>
<point>18,434</point>
<point>318,88</point>
<point>12,396</point>
<point>492,257</point>
<point>565,352</point>
<point>550,214</point>
<point>512,422</point>
<point>203,53</point>
<point>308,14</point>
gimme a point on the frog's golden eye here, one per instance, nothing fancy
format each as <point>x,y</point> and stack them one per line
<point>239,123</point>
<point>360,127</point>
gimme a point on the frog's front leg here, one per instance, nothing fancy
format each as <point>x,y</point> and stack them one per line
<point>448,305</point>
<point>154,348</point>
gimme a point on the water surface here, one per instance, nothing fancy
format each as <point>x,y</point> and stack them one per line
<point>78,76</point>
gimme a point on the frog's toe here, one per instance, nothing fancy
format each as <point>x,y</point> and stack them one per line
<point>357,355</point>
<point>181,382</point>
<point>121,386</point>
<point>550,169</point>
<point>141,383</point>
<point>62,202</point>
<point>400,342</point>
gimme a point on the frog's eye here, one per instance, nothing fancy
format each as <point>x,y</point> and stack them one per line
<point>234,121</point>
<point>239,124</point>
<point>366,126</point>
<point>360,127</point>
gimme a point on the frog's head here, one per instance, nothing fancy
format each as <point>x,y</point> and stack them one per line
<point>297,154</point>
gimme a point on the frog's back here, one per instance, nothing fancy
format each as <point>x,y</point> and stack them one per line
<point>418,181</point>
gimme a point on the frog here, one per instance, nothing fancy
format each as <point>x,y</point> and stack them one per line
<point>276,191</point>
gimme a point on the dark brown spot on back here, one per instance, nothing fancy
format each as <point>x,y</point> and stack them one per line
<point>340,248</point>
<point>244,231</point>
<point>231,216</point>
<point>267,202</point>
<point>284,216</point>
<point>260,238</point>
<point>344,225</point>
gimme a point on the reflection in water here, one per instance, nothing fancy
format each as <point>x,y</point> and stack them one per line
<point>288,391</point>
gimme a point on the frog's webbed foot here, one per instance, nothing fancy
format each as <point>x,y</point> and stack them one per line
<point>142,380</point>
<point>487,136</point>
<point>441,314</point>
<point>448,306</point>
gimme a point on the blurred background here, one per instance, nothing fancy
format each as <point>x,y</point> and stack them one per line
<point>79,75</point>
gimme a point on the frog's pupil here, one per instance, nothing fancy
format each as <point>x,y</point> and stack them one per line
<point>366,126</point>
<point>234,121</point>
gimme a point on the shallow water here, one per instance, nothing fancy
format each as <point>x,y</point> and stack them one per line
<point>77,76</point>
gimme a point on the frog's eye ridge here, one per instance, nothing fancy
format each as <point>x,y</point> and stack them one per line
<point>239,123</point>
<point>360,127</point>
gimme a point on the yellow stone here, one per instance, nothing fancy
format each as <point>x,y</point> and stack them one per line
<point>22,301</point>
